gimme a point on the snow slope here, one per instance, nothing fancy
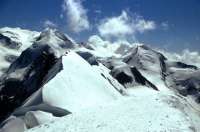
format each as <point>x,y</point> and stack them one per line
<point>145,110</point>
<point>95,100</point>
<point>31,67</point>
<point>78,86</point>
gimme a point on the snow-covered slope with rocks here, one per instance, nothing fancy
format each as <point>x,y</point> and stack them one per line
<point>32,67</point>
<point>12,42</point>
<point>80,87</point>
<point>144,111</point>
<point>53,84</point>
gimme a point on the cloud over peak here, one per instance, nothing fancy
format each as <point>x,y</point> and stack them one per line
<point>115,26</point>
<point>76,15</point>
<point>142,25</point>
<point>49,24</point>
<point>123,25</point>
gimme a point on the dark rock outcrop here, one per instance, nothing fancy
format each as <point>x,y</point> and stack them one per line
<point>57,112</point>
<point>126,75</point>
<point>144,58</point>
<point>185,81</point>
<point>91,59</point>
<point>25,76</point>
<point>130,77</point>
<point>7,42</point>
<point>28,73</point>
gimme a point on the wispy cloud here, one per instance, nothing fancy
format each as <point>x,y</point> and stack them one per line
<point>165,25</point>
<point>123,25</point>
<point>76,15</point>
<point>142,25</point>
<point>98,11</point>
<point>48,23</point>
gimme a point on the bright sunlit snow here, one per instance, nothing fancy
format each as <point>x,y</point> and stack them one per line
<point>78,86</point>
<point>145,110</point>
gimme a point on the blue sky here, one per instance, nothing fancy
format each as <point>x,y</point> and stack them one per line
<point>169,24</point>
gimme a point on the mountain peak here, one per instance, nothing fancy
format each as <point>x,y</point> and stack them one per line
<point>51,76</point>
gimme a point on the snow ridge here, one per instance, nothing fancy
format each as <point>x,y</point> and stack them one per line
<point>53,84</point>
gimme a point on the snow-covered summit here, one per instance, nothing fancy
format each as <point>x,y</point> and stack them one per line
<point>83,86</point>
<point>24,36</point>
<point>15,40</point>
<point>143,57</point>
<point>96,86</point>
<point>12,42</point>
<point>31,67</point>
<point>56,40</point>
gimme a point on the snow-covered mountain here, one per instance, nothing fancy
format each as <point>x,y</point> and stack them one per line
<point>13,42</point>
<point>49,83</point>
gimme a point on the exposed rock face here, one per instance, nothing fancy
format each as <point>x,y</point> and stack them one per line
<point>54,77</point>
<point>91,59</point>
<point>126,75</point>
<point>57,112</point>
<point>13,41</point>
<point>30,68</point>
<point>180,65</point>
<point>56,39</point>
<point>7,42</point>
<point>144,58</point>
<point>176,75</point>
<point>185,79</point>
<point>74,88</point>
<point>28,73</point>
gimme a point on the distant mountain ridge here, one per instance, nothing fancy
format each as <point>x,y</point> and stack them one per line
<point>46,75</point>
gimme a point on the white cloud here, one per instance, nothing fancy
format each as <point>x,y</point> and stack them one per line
<point>76,15</point>
<point>123,25</point>
<point>106,48</point>
<point>115,26</point>
<point>142,25</point>
<point>48,23</point>
<point>98,41</point>
<point>186,56</point>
